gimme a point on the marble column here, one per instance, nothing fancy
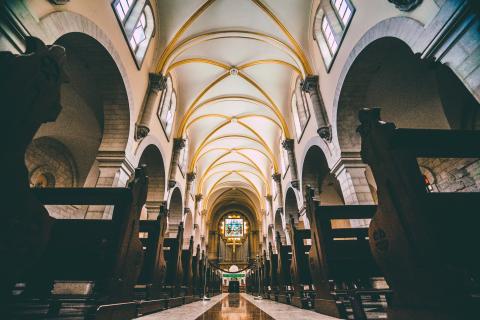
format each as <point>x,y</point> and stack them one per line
<point>156,83</point>
<point>188,188</point>
<point>277,177</point>
<point>178,145</point>
<point>289,146</point>
<point>310,86</point>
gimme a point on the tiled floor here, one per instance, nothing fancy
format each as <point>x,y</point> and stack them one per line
<point>236,307</point>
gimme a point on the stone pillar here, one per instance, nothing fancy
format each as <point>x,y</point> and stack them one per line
<point>310,86</point>
<point>153,208</point>
<point>351,175</point>
<point>178,145</point>
<point>289,145</point>
<point>114,171</point>
<point>156,83</point>
<point>269,199</point>
<point>277,177</point>
<point>188,187</point>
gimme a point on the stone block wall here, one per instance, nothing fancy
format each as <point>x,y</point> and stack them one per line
<point>452,175</point>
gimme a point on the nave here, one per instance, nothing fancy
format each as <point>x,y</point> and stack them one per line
<point>310,155</point>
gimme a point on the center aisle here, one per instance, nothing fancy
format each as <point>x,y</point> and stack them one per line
<point>234,307</point>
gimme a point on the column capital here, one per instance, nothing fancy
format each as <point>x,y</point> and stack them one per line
<point>198,197</point>
<point>310,84</point>
<point>269,197</point>
<point>276,177</point>
<point>405,5</point>
<point>156,82</point>
<point>186,210</point>
<point>171,183</point>
<point>191,176</point>
<point>295,184</point>
<point>288,144</point>
<point>178,144</point>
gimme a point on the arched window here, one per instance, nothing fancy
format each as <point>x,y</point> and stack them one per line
<point>138,25</point>
<point>168,106</point>
<point>329,36</point>
<point>122,8</point>
<point>331,23</point>
<point>300,110</point>
<point>344,10</point>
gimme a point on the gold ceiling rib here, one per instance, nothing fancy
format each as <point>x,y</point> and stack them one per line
<point>233,34</point>
<point>219,99</point>
<point>219,127</point>
<point>205,175</point>
<point>191,108</point>
<point>245,116</point>
<point>225,66</point>
<point>181,31</point>
<point>249,182</point>
<point>284,29</point>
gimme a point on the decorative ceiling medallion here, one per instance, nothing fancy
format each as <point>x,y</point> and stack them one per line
<point>405,5</point>
<point>233,72</point>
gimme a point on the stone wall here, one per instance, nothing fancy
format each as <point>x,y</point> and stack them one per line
<point>452,175</point>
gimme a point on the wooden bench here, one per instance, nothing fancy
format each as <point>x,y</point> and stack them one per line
<point>149,289</point>
<point>273,286</point>
<point>172,249</point>
<point>426,243</point>
<point>303,293</point>
<point>284,279</point>
<point>106,253</point>
<point>266,275</point>
<point>341,262</point>
<point>187,266</point>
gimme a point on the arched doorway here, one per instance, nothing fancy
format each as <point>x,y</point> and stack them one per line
<point>412,93</point>
<point>94,119</point>
<point>175,212</point>
<point>152,159</point>
<point>279,228</point>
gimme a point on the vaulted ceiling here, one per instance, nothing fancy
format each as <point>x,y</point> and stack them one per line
<point>234,64</point>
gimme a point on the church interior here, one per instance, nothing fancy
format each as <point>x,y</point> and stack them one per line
<point>240,159</point>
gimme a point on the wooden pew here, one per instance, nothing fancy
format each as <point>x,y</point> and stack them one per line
<point>107,253</point>
<point>30,88</point>
<point>341,263</point>
<point>149,289</point>
<point>187,279</point>
<point>425,243</point>
<point>299,269</point>
<point>273,290</point>
<point>283,270</point>
<point>172,249</point>
<point>266,277</point>
<point>196,278</point>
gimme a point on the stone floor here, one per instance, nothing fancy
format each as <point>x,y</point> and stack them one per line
<point>236,307</point>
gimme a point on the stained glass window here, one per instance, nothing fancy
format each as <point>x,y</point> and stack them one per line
<point>233,227</point>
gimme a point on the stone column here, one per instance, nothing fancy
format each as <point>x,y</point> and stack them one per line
<point>289,145</point>
<point>188,187</point>
<point>156,83</point>
<point>351,175</point>
<point>178,145</point>
<point>310,86</point>
<point>114,171</point>
<point>277,177</point>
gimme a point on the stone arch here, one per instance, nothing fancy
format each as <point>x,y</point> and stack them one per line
<point>316,173</point>
<point>175,212</point>
<point>388,75</point>
<point>119,93</point>
<point>291,206</point>
<point>153,160</point>
<point>279,227</point>
<point>188,229</point>
<point>50,164</point>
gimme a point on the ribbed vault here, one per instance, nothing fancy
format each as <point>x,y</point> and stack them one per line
<point>234,64</point>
